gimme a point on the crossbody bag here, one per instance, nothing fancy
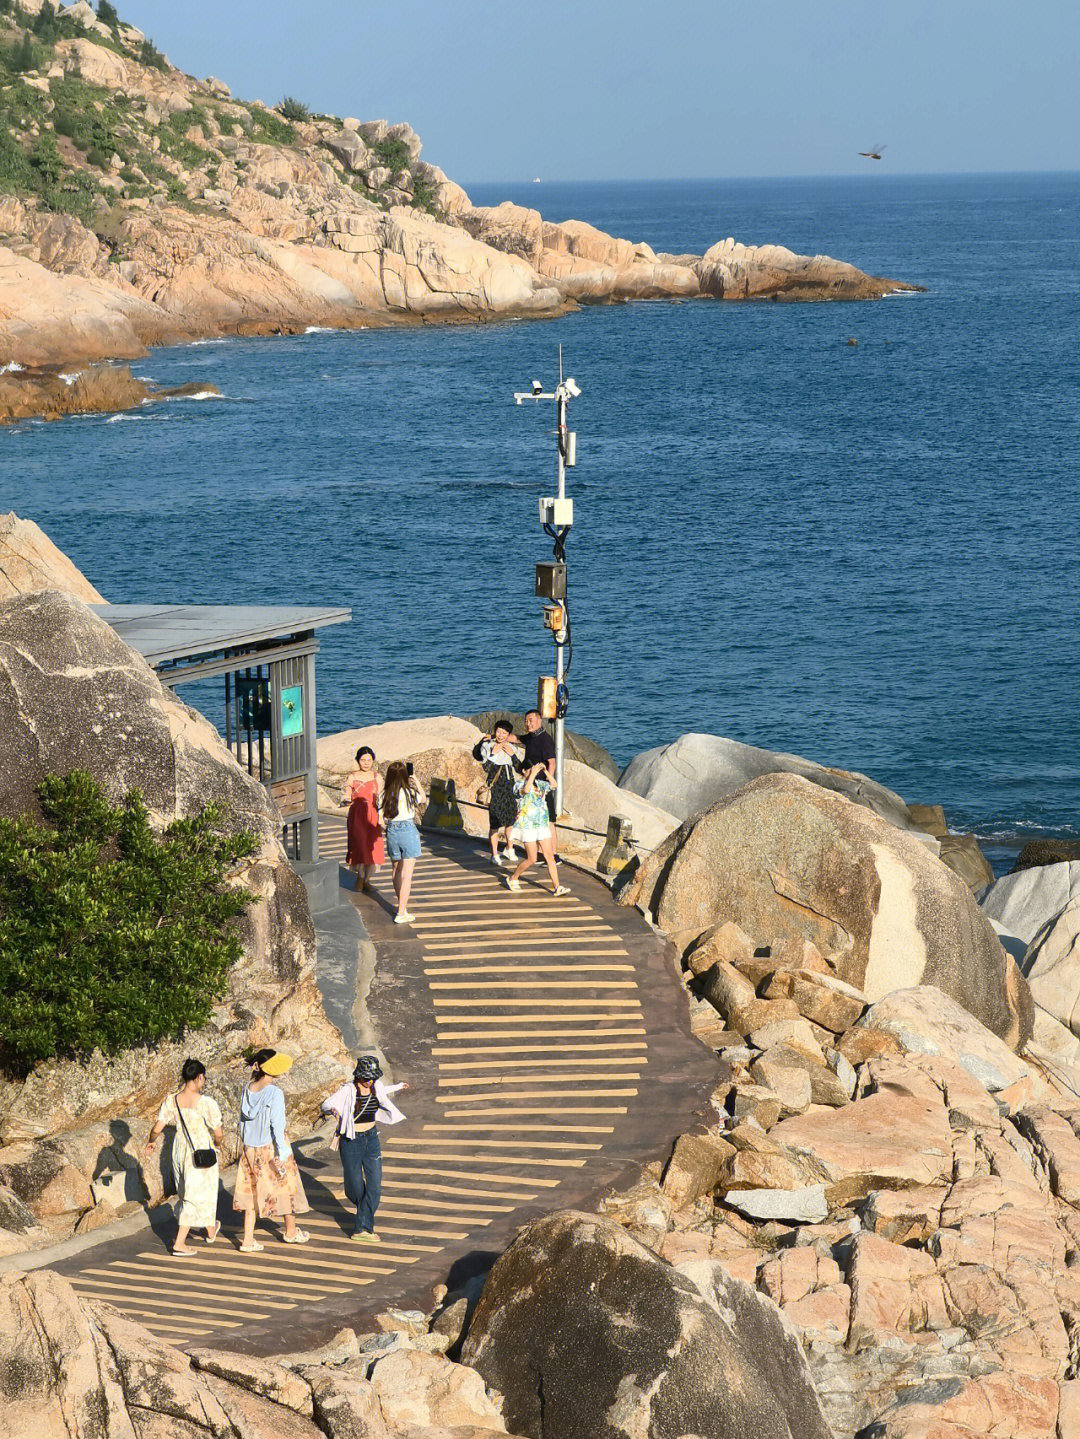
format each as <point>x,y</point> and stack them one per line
<point>201,1158</point>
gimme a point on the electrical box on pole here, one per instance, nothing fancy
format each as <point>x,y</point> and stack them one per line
<point>547,697</point>
<point>551,582</point>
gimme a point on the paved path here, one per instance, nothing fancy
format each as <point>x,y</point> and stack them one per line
<point>548,1048</point>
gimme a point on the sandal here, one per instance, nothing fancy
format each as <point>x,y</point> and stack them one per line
<point>253,1248</point>
<point>183,1253</point>
<point>300,1237</point>
<point>213,1232</point>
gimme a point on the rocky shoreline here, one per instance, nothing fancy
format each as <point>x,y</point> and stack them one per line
<point>874,1235</point>
<point>147,207</point>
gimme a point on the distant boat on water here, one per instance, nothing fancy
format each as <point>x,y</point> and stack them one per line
<point>537,180</point>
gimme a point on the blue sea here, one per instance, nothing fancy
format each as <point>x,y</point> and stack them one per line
<point>866,554</point>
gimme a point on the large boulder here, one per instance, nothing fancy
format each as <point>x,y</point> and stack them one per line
<point>73,695</point>
<point>71,1367</point>
<point>698,770</point>
<point>30,562</point>
<point>586,1332</point>
<point>1021,903</point>
<point>787,860</point>
<point>1052,966</point>
<point>394,740</point>
<point>923,1020</point>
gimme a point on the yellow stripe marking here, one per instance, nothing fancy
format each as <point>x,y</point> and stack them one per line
<point>314,1268</point>
<point>174,1305</point>
<point>537,1049</point>
<point>450,1038</point>
<point>521,1159</point>
<point>341,1221</point>
<point>619,1003</point>
<point>465,1174</point>
<point>606,1093</point>
<point>397,1184</point>
<point>572,967</point>
<point>128,1271</point>
<point>525,1128</point>
<point>545,1109</point>
<point>505,1144</point>
<point>563,1079</point>
<point>604,984</point>
<point>128,1285</point>
<point>541,1058</point>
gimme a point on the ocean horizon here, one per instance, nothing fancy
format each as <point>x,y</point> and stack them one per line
<point>859,553</point>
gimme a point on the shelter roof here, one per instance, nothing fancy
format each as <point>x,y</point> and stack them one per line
<point>165,633</point>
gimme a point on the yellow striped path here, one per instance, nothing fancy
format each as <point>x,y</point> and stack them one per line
<point>548,1050</point>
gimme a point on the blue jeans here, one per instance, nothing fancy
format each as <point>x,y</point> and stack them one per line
<point>402,840</point>
<point>361,1163</point>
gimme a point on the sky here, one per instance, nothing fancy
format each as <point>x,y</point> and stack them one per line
<point>688,89</point>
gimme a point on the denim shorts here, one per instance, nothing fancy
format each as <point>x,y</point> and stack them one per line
<point>402,839</point>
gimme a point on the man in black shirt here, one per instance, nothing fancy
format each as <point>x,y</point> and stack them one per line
<point>540,749</point>
<point>539,746</point>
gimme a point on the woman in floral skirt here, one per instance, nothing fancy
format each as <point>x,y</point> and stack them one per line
<point>268,1184</point>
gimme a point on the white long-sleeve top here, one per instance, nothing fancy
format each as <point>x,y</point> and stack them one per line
<point>343,1102</point>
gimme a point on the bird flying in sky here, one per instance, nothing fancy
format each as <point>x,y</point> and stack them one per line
<point>874,153</point>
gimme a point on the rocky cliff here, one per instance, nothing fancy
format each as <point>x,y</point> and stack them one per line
<point>141,206</point>
<point>73,695</point>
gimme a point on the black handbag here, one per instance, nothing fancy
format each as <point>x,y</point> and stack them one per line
<point>201,1158</point>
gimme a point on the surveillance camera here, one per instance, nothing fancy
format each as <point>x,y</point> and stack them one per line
<point>572,387</point>
<point>537,387</point>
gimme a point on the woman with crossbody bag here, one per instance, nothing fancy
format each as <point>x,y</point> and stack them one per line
<point>194,1154</point>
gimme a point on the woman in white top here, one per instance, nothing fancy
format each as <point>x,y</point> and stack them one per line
<point>198,1126</point>
<point>360,1106</point>
<point>402,804</point>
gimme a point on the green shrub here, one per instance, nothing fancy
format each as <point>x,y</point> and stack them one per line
<point>17,175</point>
<point>294,109</point>
<point>150,55</point>
<point>46,160</point>
<point>109,936</point>
<point>23,56</point>
<point>106,13</point>
<point>424,195</point>
<point>394,154</point>
<point>268,127</point>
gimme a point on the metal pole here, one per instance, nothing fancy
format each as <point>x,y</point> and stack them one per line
<point>560,473</point>
<point>557,515</point>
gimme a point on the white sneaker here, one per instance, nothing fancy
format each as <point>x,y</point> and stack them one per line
<point>497,859</point>
<point>512,883</point>
<point>511,856</point>
<point>559,890</point>
<point>403,917</point>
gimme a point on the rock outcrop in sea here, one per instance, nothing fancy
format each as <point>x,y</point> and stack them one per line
<point>146,207</point>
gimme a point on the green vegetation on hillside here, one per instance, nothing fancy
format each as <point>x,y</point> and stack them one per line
<point>109,935</point>
<point>85,149</point>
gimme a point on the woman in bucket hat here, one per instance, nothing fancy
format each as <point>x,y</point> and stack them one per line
<point>360,1106</point>
<point>268,1182</point>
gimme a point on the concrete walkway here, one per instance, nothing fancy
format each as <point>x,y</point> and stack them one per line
<point>548,1048</point>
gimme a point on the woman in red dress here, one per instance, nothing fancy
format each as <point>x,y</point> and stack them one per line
<point>361,794</point>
